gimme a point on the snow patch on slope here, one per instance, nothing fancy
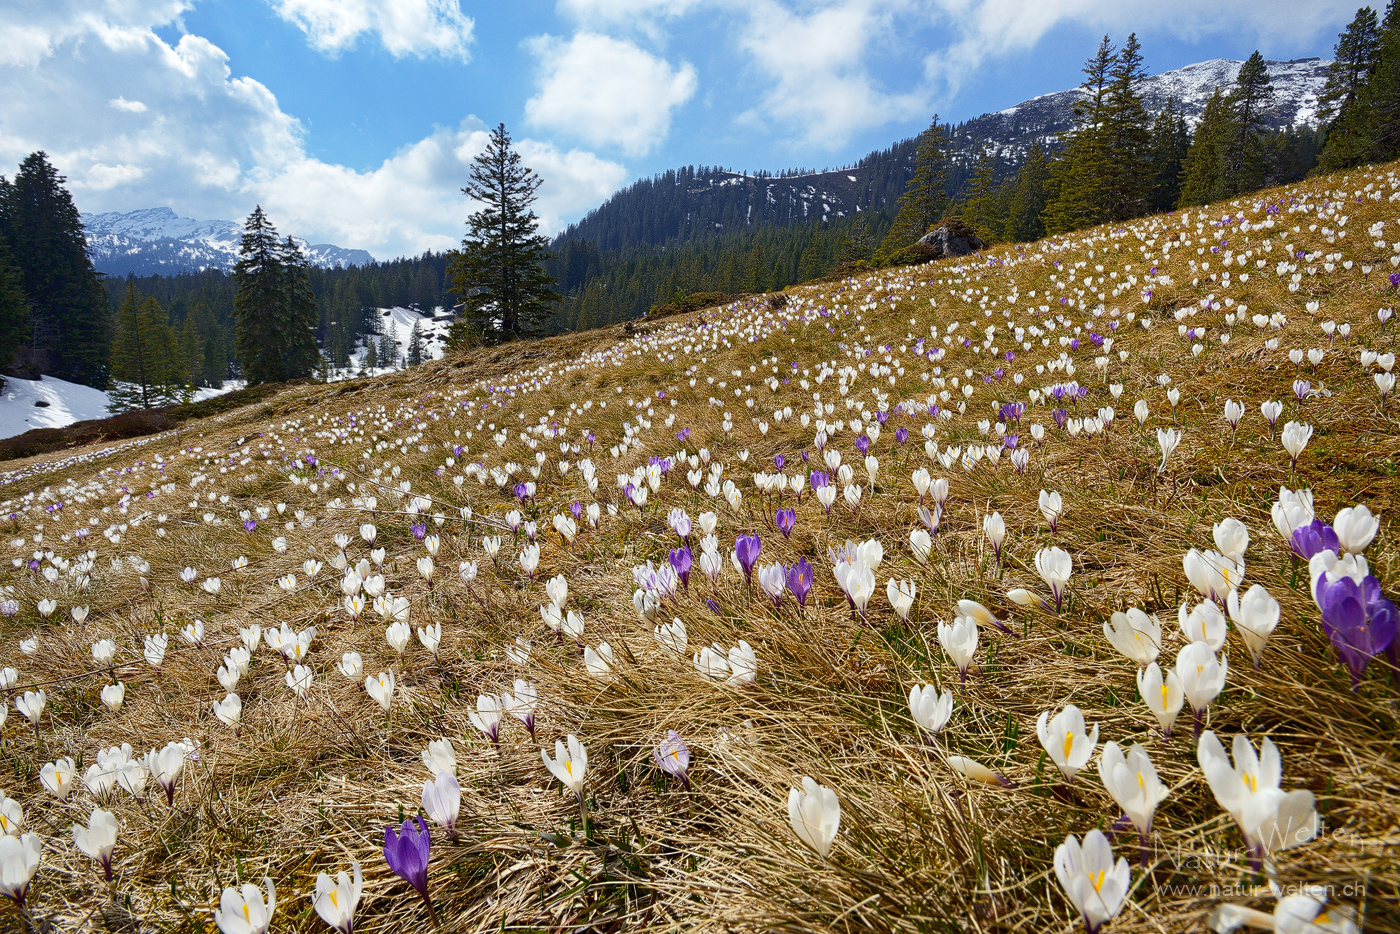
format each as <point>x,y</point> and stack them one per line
<point>66,403</point>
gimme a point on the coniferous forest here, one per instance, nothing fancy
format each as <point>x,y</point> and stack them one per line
<point>703,229</point>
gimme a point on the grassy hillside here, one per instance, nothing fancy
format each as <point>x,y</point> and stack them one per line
<point>255,499</point>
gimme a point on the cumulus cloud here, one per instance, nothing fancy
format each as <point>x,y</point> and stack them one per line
<point>405,27</point>
<point>606,91</point>
<point>136,122</point>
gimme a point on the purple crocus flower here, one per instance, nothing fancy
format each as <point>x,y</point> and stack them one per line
<point>819,479</point>
<point>863,445</point>
<point>576,508</point>
<point>673,757</point>
<point>1395,278</point>
<point>901,434</point>
<point>681,564</point>
<point>779,461</point>
<point>785,520</point>
<point>406,852</point>
<point>746,549</point>
<point>799,580</point>
<point>714,606</point>
<point>419,530</point>
<point>249,524</point>
<point>1061,417</point>
<point>1315,537</point>
<point>1360,628</point>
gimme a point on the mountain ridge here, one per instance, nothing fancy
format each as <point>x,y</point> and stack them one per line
<point>156,240</point>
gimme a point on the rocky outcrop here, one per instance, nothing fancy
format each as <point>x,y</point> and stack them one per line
<point>951,238</point>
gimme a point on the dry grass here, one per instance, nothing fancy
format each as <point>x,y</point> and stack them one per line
<point>308,785</point>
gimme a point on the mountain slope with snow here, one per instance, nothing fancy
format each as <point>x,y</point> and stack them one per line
<point>157,240</point>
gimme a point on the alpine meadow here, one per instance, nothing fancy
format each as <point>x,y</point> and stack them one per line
<point>996,534</point>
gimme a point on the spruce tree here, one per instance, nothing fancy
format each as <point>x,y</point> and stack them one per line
<point>498,273</point>
<point>1203,170</point>
<point>1171,140</point>
<point>415,346</point>
<point>1381,94</point>
<point>1355,57</point>
<point>146,370</point>
<point>1126,153</point>
<point>1244,153</point>
<point>925,195</point>
<point>299,315</point>
<point>14,310</point>
<point>981,209</point>
<point>261,282</point>
<point>1077,176</point>
<point>371,355</point>
<point>69,329</point>
<point>1026,202</point>
<point>1362,96</point>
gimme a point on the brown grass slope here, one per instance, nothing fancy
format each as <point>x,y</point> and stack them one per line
<point>309,784</point>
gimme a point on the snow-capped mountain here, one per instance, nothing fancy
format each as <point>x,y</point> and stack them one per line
<point>689,203</point>
<point>1010,132</point>
<point>157,240</point>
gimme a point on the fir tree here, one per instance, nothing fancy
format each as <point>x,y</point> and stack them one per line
<point>1244,154</point>
<point>1355,57</point>
<point>69,324</point>
<point>498,273</point>
<point>415,346</point>
<point>371,355</point>
<point>925,195</point>
<point>856,247</point>
<point>191,348</point>
<point>1171,140</point>
<point>1077,177</point>
<point>1203,170</point>
<point>1362,95</point>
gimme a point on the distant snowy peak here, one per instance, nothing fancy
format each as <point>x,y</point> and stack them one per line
<point>157,240</point>
<point>1297,85</point>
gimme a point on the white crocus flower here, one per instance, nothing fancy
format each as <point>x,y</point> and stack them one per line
<point>672,635</point>
<point>442,800</point>
<point>336,903</point>
<point>815,815</point>
<point>487,716</point>
<point>569,764</point>
<point>960,642</point>
<point>113,695</point>
<point>1162,693</point>
<point>19,860</point>
<point>1133,783</point>
<point>1055,566</point>
<point>1202,676</point>
<point>59,778</point>
<point>351,665</point>
<point>398,635</point>
<point>229,711</point>
<point>929,709</point>
<point>1095,884</point>
<point>440,757</point>
<point>98,839</point>
<point>743,665</point>
<point>1248,789</point>
<point>599,663</point>
<point>1135,634</point>
<point>1256,616</point>
<point>1066,740</point>
<point>299,679</point>
<point>1356,528</point>
<point>1231,539</point>
<point>245,912</point>
<point>380,688</point>
<point>1205,623</point>
<point>901,595</point>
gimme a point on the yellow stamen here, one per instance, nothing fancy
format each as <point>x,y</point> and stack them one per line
<point>1164,697</point>
<point>249,918</point>
<point>1097,879</point>
<point>1249,779</point>
<point>1141,786</point>
<point>334,901</point>
<point>1069,743</point>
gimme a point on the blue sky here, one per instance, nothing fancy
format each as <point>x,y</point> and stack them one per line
<point>353,121</point>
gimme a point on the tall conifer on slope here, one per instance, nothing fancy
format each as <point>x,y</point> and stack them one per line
<point>925,195</point>
<point>1126,140</point>
<point>1244,150</point>
<point>414,354</point>
<point>1362,95</point>
<point>1203,171</point>
<point>70,319</point>
<point>498,273</point>
<point>1171,141</point>
<point>14,309</point>
<point>1026,201</point>
<point>1076,177</point>
<point>146,368</point>
<point>299,316</point>
<point>275,312</point>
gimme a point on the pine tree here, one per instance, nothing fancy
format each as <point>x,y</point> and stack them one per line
<point>146,370</point>
<point>1126,139</point>
<point>856,247</point>
<point>925,195</point>
<point>14,310</point>
<point>1171,140</point>
<point>1381,94</point>
<point>1026,201</point>
<point>69,332</point>
<point>1077,176</point>
<point>192,351</point>
<point>415,346</point>
<point>371,355</point>
<point>498,273</point>
<point>1244,153</point>
<point>1355,57</point>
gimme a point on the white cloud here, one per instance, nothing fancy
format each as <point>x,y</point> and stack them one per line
<point>33,29</point>
<point>405,27</point>
<point>997,29</point>
<point>606,91</point>
<point>211,145</point>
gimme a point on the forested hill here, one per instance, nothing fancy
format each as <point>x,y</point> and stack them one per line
<point>696,202</point>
